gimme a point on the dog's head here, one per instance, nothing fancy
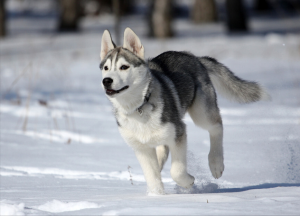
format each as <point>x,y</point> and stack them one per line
<point>122,67</point>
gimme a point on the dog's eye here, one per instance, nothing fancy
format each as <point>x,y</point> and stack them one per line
<point>124,67</point>
<point>105,68</point>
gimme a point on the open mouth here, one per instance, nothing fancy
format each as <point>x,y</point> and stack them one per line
<point>112,92</point>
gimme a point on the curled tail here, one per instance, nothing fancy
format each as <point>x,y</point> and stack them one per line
<point>231,86</point>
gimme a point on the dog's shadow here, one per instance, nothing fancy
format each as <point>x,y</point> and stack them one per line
<point>214,188</point>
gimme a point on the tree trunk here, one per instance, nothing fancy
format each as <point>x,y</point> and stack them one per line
<point>204,11</point>
<point>116,9</point>
<point>262,5</point>
<point>160,19</point>
<point>2,19</point>
<point>236,17</point>
<point>69,15</point>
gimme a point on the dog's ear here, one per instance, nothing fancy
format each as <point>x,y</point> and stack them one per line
<point>133,43</point>
<point>106,45</point>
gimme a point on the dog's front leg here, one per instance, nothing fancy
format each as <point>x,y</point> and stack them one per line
<point>148,160</point>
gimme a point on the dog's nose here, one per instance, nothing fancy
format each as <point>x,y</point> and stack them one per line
<point>107,81</point>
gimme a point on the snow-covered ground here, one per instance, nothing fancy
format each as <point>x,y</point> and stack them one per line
<point>61,152</point>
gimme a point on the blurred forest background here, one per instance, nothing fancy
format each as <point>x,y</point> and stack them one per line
<point>158,16</point>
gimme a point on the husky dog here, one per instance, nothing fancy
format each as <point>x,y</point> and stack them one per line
<point>151,97</point>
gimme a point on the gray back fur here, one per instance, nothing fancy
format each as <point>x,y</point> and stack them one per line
<point>185,71</point>
<point>187,75</point>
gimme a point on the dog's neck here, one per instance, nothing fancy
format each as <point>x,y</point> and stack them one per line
<point>134,99</point>
<point>146,100</point>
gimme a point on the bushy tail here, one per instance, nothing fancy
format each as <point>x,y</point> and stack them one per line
<point>231,86</point>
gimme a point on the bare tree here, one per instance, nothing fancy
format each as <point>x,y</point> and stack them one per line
<point>204,11</point>
<point>107,6</point>
<point>2,19</point>
<point>120,8</point>
<point>236,16</point>
<point>116,9</point>
<point>69,15</point>
<point>262,5</point>
<point>160,18</point>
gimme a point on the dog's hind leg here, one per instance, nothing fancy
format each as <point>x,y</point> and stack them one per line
<point>178,170</point>
<point>162,153</point>
<point>205,113</point>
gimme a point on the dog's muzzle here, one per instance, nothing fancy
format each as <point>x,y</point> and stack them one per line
<point>107,85</point>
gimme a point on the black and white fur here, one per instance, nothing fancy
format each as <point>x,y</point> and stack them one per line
<point>150,99</point>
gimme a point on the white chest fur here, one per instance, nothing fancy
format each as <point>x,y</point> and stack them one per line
<point>146,129</point>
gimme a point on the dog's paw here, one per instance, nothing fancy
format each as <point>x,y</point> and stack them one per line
<point>155,191</point>
<point>184,179</point>
<point>216,164</point>
<point>188,182</point>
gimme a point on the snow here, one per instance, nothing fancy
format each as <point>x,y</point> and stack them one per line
<point>11,209</point>
<point>71,174</point>
<point>57,206</point>
<point>61,152</point>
